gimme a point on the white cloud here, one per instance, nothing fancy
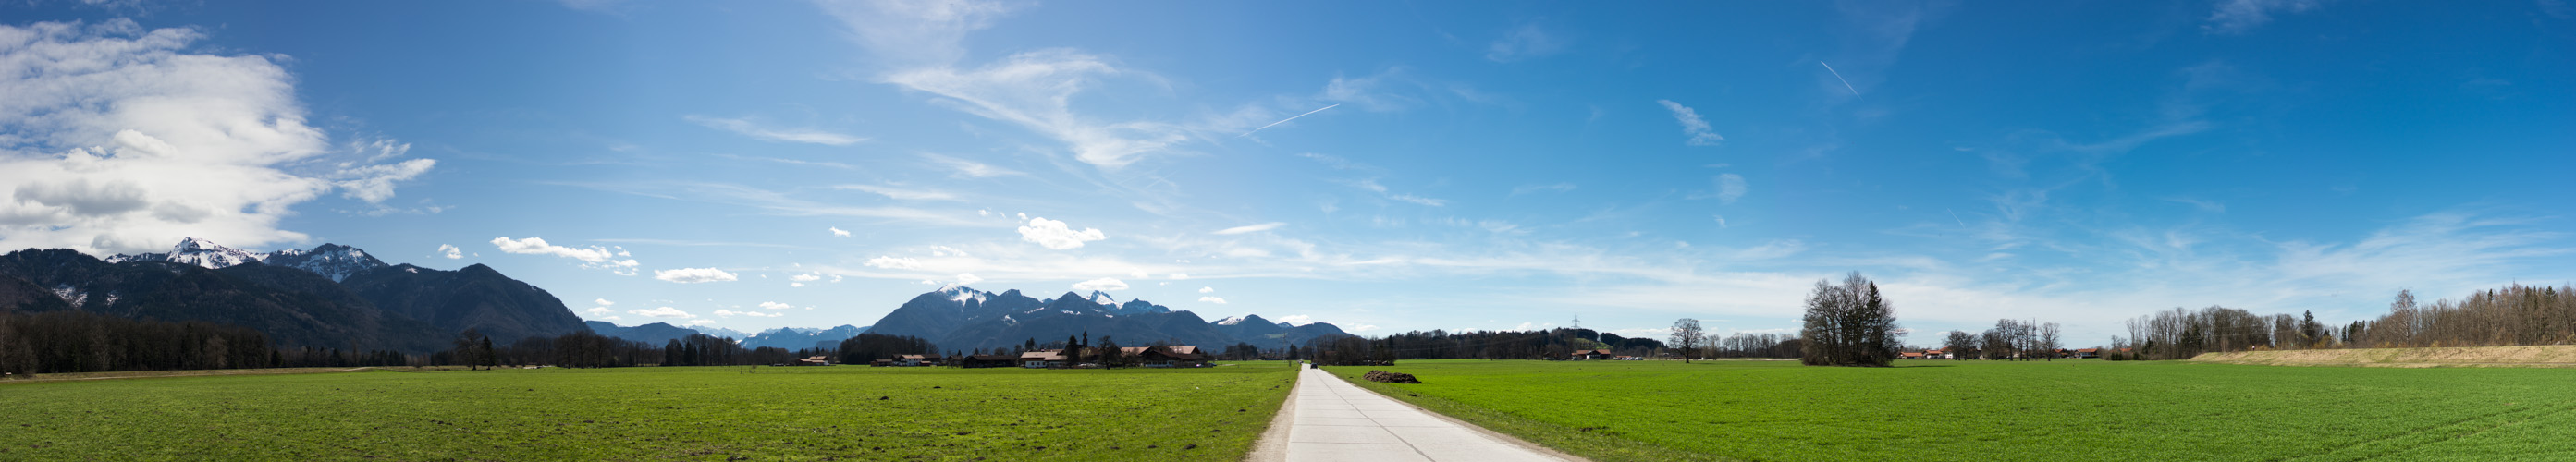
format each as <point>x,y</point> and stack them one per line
<point>1102,284</point>
<point>774,306</point>
<point>2238,16</point>
<point>836,278</point>
<point>747,128</point>
<point>1180,276</point>
<point>894,263</point>
<point>806,277</point>
<point>1297,319</point>
<point>900,193</point>
<point>450,251</point>
<point>1056,235</point>
<point>946,251</point>
<point>598,310</point>
<point>693,275</point>
<point>1206,289</point>
<point>1214,300</point>
<point>662,312</point>
<point>375,183</point>
<point>1139,273</point>
<point>1252,228</point>
<point>120,140</point>
<point>700,322</point>
<point>1699,131</point>
<point>604,302</point>
<point>836,231</point>
<point>756,314</point>
<point>967,278</point>
<point>537,246</point>
<point>796,284</point>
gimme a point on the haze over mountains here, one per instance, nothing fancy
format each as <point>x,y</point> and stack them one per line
<point>335,296</point>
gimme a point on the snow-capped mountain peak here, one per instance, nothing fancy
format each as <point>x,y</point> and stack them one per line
<point>1230,321</point>
<point>198,252</point>
<point>963,294</point>
<point>1103,298</point>
<point>330,260</point>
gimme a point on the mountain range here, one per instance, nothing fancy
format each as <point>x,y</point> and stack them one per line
<point>959,318</point>
<point>336,296</point>
<point>332,296</point>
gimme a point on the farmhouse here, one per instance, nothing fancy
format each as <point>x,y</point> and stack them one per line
<point>812,361</point>
<point>916,360</point>
<point>1910,355</point>
<point>1044,359</point>
<point>1170,356</point>
<point>2088,353</point>
<point>981,361</point>
<point>1580,355</point>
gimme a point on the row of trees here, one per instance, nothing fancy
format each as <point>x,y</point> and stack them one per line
<point>1529,344</point>
<point>2009,339</point>
<point>1689,341</point>
<point>72,341</point>
<point>866,347</point>
<point>2512,315</point>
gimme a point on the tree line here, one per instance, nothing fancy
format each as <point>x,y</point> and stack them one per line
<point>72,341</point>
<point>1483,344</point>
<point>2009,339</point>
<point>2512,315</point>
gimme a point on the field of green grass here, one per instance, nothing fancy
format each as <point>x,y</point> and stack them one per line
<point>2066,410</point>
<point>649,413</point>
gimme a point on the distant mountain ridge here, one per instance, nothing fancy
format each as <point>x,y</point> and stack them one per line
<point>960,318</point>
<point>332,296</point>
<point>329,260</point>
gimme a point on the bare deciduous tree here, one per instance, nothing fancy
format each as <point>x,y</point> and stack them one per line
<point>1687,336</point>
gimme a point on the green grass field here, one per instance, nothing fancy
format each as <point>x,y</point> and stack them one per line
<point>2067,410</point>
<point>693,413</point>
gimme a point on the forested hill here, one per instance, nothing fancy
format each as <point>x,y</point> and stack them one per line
<point>331,297</point>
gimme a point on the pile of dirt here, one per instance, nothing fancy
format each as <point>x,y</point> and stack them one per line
<point>2507,356</point>
<point>1389,377</point>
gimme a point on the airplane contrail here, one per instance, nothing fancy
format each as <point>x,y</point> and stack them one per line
<point>1282,121</point>
<point>1839,76</point>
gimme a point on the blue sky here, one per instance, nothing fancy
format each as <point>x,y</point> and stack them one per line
<point>1382,166</point>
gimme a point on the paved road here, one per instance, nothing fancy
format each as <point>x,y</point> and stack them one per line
<point>1336,421</point>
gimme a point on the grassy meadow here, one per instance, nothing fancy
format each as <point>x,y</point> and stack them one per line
<point>2066,410</point>
<point>649,413</point>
